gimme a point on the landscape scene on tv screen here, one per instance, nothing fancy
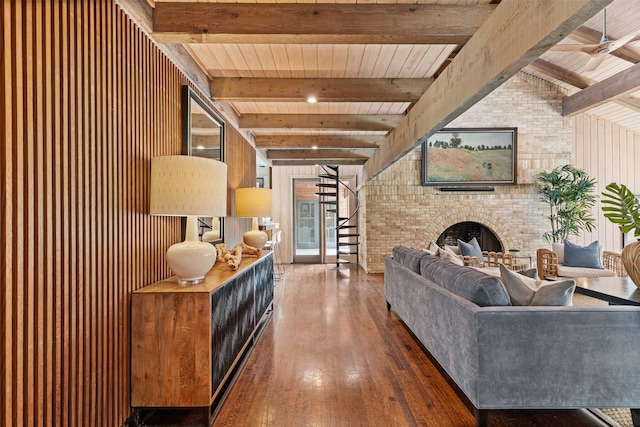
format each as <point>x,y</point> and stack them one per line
<point>469,156</point>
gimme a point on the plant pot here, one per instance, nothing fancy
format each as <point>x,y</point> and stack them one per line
<point>631,261</point>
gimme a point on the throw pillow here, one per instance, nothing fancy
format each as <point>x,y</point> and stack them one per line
<point>449,256</point>
<point>471,249</point>
<point>558,249</point>
<point>582,256</point>
<point>454,249</point>
<point>530,272</point>
<point>527,291</point>
<point>431,248</point>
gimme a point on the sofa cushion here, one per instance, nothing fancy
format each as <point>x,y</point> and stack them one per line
<point>467,282</point>
<point>409,257</point>
<point>564,271</point>
<point>524,290</point>
<point>582,256</point>
<point>471,249</point>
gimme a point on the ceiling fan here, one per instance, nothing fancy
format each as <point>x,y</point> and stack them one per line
<point>598,51</point>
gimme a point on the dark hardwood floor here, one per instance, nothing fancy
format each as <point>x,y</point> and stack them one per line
<point>332,355</point>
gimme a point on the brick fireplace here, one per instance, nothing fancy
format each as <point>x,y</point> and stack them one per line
<point>513,215</point>
<point>492,230</point>
<point>397,210</point>
<point>468,230</point>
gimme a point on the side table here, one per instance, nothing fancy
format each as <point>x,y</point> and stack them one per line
<point>524,263</point>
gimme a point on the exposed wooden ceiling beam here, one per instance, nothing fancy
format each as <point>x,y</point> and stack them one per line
<point>629,102</point>
<point>318,154</point>
<point>320,141</point>
<point>516,33</point>
<point>577,80</point>
<point>559,73</point>
<point>181,22</point>
<point>311,162</point>
<point>618,85</point>
<point>329,90</point>
<point>361,122</point>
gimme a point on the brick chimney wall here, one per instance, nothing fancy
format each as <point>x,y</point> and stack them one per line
<point>397,209</point>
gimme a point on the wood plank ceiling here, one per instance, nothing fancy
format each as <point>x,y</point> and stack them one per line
<point>368,64</point>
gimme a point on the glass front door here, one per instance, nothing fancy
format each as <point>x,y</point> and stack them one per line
<point>315,223</point>
<point>307,222</point>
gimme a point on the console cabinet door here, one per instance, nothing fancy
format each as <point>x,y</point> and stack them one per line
<point>170,338</point>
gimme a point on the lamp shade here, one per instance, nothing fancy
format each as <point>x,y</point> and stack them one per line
<point>192,187</point>
<point>253,202</point>
<point>188,185</point>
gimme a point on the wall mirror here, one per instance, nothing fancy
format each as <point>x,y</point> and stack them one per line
<point>203,136</point>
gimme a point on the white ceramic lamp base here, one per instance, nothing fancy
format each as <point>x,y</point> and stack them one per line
<point>255,238</point>
<point>192,259</point>
<point>210,236</point>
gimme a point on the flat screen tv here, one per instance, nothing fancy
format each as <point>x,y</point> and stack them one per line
<point>478,156</point>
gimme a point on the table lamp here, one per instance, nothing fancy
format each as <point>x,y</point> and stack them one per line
<point>192,187</point>
<point>253,203</point>
<point>213,234</point>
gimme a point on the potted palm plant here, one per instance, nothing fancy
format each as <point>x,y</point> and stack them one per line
<point>621,207</point>
<point>569,193</point>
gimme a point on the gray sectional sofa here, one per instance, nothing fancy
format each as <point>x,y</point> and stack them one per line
<point>507,357</point>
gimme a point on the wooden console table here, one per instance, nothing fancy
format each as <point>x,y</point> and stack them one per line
<point>186,341</point>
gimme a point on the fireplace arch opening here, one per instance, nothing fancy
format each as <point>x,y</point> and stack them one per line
<point>466,231</point>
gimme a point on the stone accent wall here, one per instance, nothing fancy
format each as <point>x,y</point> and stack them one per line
<point>397,209</point>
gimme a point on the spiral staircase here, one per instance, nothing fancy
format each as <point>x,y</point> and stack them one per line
<point>347,238</point>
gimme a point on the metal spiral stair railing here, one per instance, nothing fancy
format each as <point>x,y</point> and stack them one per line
<point>347,236</point>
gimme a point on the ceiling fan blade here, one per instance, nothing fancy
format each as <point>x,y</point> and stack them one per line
<point>594,62</point>
<point>587,48</point>
<point>617,44</point>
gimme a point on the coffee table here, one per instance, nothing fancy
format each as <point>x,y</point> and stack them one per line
<point>614,290</point>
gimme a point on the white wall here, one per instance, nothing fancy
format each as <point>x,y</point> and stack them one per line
<point>608,153</point>
<point>283,177</point>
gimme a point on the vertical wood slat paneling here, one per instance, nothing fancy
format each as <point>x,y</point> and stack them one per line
<point>607,153</point>
<point>48,229</point>
<point>87,100</point>
<point>241,165</point>
<point>39,280</point>
<point>6,208</point>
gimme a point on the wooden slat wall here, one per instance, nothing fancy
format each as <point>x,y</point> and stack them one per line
<point>87,100</point>
<point>241,172</point>
<point>608,152</point>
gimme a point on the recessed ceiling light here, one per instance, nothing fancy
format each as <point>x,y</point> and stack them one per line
<point>312,99</point>
<point>314,147</point>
